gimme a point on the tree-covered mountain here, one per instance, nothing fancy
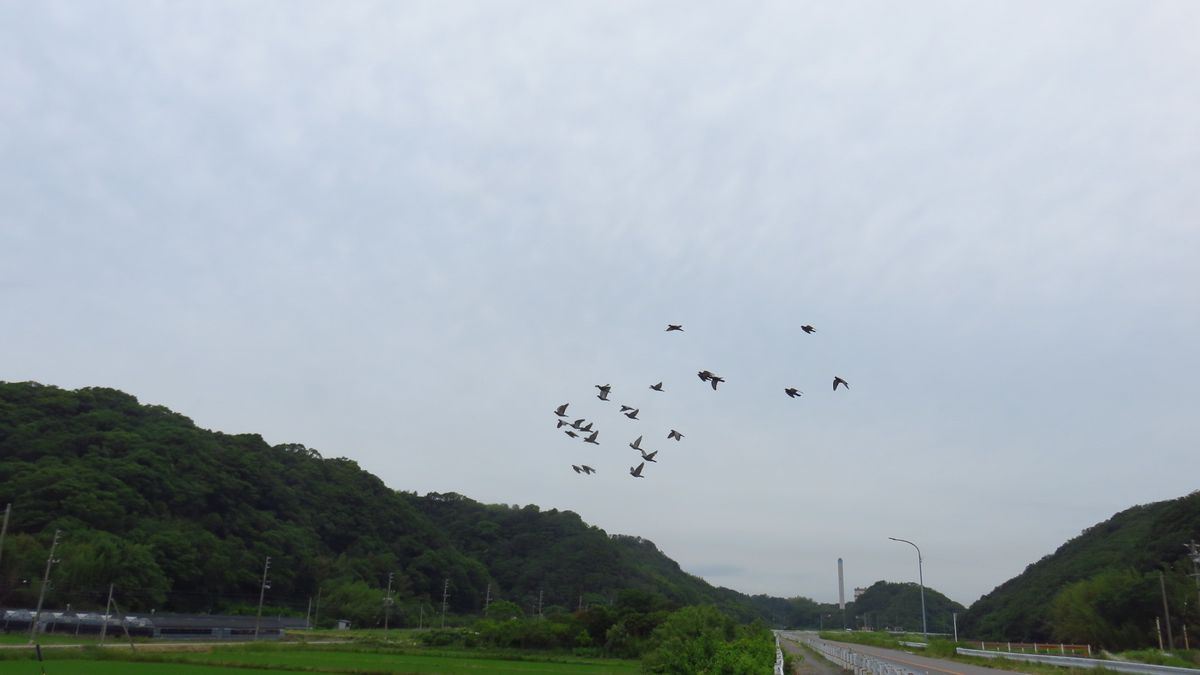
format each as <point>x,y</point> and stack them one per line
<point>182,518</point>
<point>1102,587</point>
<point>897,606</point>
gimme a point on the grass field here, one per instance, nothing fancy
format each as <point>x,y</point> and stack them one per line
<point>283,659</point>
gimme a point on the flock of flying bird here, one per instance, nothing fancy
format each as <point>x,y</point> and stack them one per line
<point>578,428</point>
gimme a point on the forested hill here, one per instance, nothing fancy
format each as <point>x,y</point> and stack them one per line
<point>183,518</point>
<point>1103,586</point>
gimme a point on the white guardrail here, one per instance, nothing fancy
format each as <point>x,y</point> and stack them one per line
<point>1080,662</point>
<point>778,657</point>
<point>859,664</point>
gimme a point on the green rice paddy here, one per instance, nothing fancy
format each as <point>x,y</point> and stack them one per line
<point>285,658</point>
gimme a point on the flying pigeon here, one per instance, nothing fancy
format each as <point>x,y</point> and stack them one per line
<point>578,424</point>
<point>808,329</point>
<point>572,434</point>
<point>587,469</point>
<point>561,424</point>
<point>837,380</point>
<point>675,434</point>
<point>632,414</point>
<point>636,472</point>
<point>604,389</point>
<point>657,387</point>
<point>714,381</point>
<point>625,408</point>
<point>793,392</point>
<point>674,326</point>
<point>592,439</point>
<point>704,375</point>
<point>577,469</point>
<point>649,457</point>
<point>637,444</point>
<point>586,428</point>
<point>561,410</point>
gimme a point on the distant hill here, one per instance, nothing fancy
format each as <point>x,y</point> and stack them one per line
<point>1111,573</point>
<point>893,606</point>
<point>182,518</point>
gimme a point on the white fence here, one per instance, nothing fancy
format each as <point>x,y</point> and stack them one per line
<point>859,664</point>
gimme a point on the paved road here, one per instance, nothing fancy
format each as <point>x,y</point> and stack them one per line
<point>904,659</point>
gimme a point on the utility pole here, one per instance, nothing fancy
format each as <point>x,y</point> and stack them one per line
<point>1194,554</point>
<point>262,592</point>
<point>107,605</point>
<point>387,604</point>
<point>317,616</point>
<point>4,529</point>
<point>308,615</point>
<point>445,594</point>
<point>1166,610</point>
<point>45,582</point>
<point>487,599</point>
<point>539,603</point>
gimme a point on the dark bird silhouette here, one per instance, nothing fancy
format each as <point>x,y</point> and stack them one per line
<point>675,434</point>
<point>704,375</point>
<point>604,389</point>
<point>570,433</point>
<point>714,381</point>
<point>632,414</point>
<point>808,329</point>
<point>837,380</point>
<point>674,326</point>
<point>793,392</point>
<point>577,469</point>
<point>587,427</point>
<point>587,469</point>
<point>561,424</point>
<point>578,424</point>
<point>592,439</point>
<point>561,410</point>
<point>649,456</point>
<point>637,444</point>
<point>636,472</point>
<point>625,408</point>
<point>656,387</point>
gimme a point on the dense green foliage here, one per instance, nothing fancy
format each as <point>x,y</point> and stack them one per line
<point>892,606</point>
<point>181,518</point>
<point>703,641</point>
<point>1101,587</point>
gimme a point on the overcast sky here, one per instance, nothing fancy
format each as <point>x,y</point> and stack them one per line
<point>404,232</point>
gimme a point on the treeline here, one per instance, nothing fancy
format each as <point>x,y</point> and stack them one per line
<point>183,519</point>
<point>691,640</point>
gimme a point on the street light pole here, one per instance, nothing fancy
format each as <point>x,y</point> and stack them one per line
<point>921,577</point>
